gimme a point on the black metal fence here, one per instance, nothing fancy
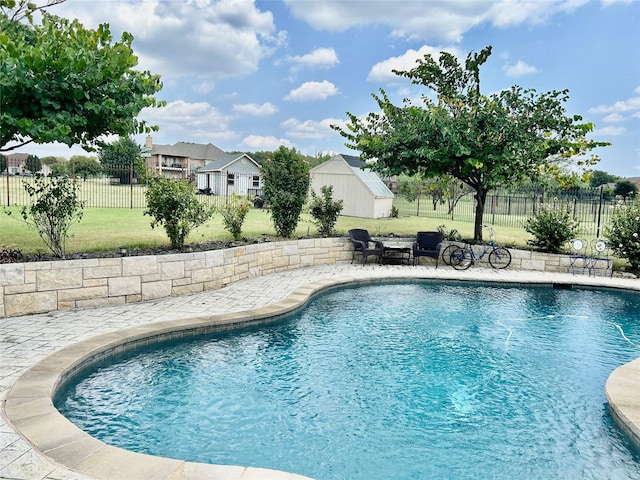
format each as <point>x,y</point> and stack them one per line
<point>125,188</point>
<point>512,207</point>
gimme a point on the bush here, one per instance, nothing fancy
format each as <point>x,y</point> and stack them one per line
<point>233,214</point>
<point>174,205</point>
<point>451,235</point>
<point>10,255</point>
<point>55,206</point>
<point>286,184</point>
<point>623,232</point>
<point>325,210</point>
<point>551,228</point>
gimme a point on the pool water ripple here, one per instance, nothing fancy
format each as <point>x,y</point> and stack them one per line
<point>402,381</point>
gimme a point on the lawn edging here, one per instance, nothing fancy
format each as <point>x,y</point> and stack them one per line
<point>39,287</point>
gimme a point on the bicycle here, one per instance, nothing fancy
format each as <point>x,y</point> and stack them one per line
<point>462,258</point>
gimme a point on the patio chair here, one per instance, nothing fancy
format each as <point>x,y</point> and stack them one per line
<point>427,244</point>
<point>578,257</point>
<point>365,245</point>
<point>600,259</point>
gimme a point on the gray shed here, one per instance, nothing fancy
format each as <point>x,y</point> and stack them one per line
<point>363,192</point>
<point>236,173</point>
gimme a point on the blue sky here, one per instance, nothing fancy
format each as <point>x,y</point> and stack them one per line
<point>253,75</point>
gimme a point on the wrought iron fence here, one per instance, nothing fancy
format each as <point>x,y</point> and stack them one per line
<point>511,207</point>
<point>125,187</point>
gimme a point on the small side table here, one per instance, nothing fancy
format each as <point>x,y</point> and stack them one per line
<point>396,253</point>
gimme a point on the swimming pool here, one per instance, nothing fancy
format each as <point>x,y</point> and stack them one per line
<point>453,381</point>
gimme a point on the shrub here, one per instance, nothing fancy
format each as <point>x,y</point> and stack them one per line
<point>10,255</point>
<point>394,213</point>
<point>551,227</point>
<point>174,205</point>
<point>286,184</point>
<point>55,206</point>
<point>233,214</point>
<point>325,210</point>
<point>451,235</point>
<point>623,232</point>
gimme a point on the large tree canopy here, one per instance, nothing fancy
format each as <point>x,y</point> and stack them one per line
<point>484,141</point>
<point>61,82</point>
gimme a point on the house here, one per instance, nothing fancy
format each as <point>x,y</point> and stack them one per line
<point>362,191</point>
<point>231,173</point>
<point>635,181</point>
<point>181,160</point>
<point>17,165</point>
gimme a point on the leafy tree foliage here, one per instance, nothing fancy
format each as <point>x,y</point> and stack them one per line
<point>625,188</point>
<point>55,207</point>
<point>3,163</point>
<point>482,140</point>
<point>56,164</point>
<point>84,167</point>
<point>600,177</point>
<point>118,157</point>
<point>325,210</point>
<point>61,82</point>
<point>174,205</point>
<point>286,184</point>
<point>623,232</point>
<point>16,10</point>
<point>33,163</point>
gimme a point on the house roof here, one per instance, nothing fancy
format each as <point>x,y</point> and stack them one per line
<point>225,161</point>
<point>196,151</point>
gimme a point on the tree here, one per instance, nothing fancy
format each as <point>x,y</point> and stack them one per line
<point>84,167</point>
<point>286,184</point>
<point>174,206</point>
<point>63,83</point>
<point>3,163</point>
<point>33,163</point>
<point>56,164</point>
<point>600,177</point>
<point>625,188</point>
<point>16,10</point>
<point>120,158</point>
<point>325,210</point>
<point>483,141</point>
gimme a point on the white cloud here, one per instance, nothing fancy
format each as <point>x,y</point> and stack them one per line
<point>310,129</point>
<point>519,69</point>
<point>205,40</point>
<point>382,72</point>
<point>630,104</point>
<point>435,20</point>
<point>614,117</point>
<point>608,3</point>
<point>610,131</point>
<point>189,121</point>
<point>256,110</point>
<point>309,91</point>
<point>257,143</point>
<point>319,58</point>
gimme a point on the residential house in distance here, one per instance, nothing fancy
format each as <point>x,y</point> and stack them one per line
<point>232,173</point>
<point>181,160</point>
<point>362,191</point>
<point>16,165</point>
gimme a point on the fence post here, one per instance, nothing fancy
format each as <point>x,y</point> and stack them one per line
<point>8,196</point>
<point>599,211</point>
<point>131,185</point>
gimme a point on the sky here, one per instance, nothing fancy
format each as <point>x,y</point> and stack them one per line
<point>250,75</point>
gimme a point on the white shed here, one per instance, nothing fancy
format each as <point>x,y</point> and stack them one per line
<point>236,173</point>
<point>363,192</point>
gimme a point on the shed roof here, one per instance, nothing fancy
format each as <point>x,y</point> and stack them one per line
<point>225,161</point>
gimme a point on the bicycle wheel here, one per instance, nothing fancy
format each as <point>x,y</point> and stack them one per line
<point>446,253</point>
<point>460,258</point>
<point>500,257</point>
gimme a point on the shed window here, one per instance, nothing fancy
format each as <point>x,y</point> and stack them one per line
<point>256,181</point>
<point>231,179</point>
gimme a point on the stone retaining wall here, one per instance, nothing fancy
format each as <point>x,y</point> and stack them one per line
<point>38,287</point>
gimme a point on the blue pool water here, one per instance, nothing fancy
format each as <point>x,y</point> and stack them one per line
<point>391,381</point>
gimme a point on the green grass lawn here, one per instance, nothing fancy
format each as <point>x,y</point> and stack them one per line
<point>104,229</point>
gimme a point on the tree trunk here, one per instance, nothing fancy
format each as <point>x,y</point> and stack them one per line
<point>481,197</point>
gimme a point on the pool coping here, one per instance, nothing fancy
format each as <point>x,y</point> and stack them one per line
<point>29,405</point>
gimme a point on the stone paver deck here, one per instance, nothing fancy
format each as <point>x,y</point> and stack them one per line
<point>27,340</point>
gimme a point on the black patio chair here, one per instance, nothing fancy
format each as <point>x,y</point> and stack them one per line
<point>427,244</point>
<point>365,245</point>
